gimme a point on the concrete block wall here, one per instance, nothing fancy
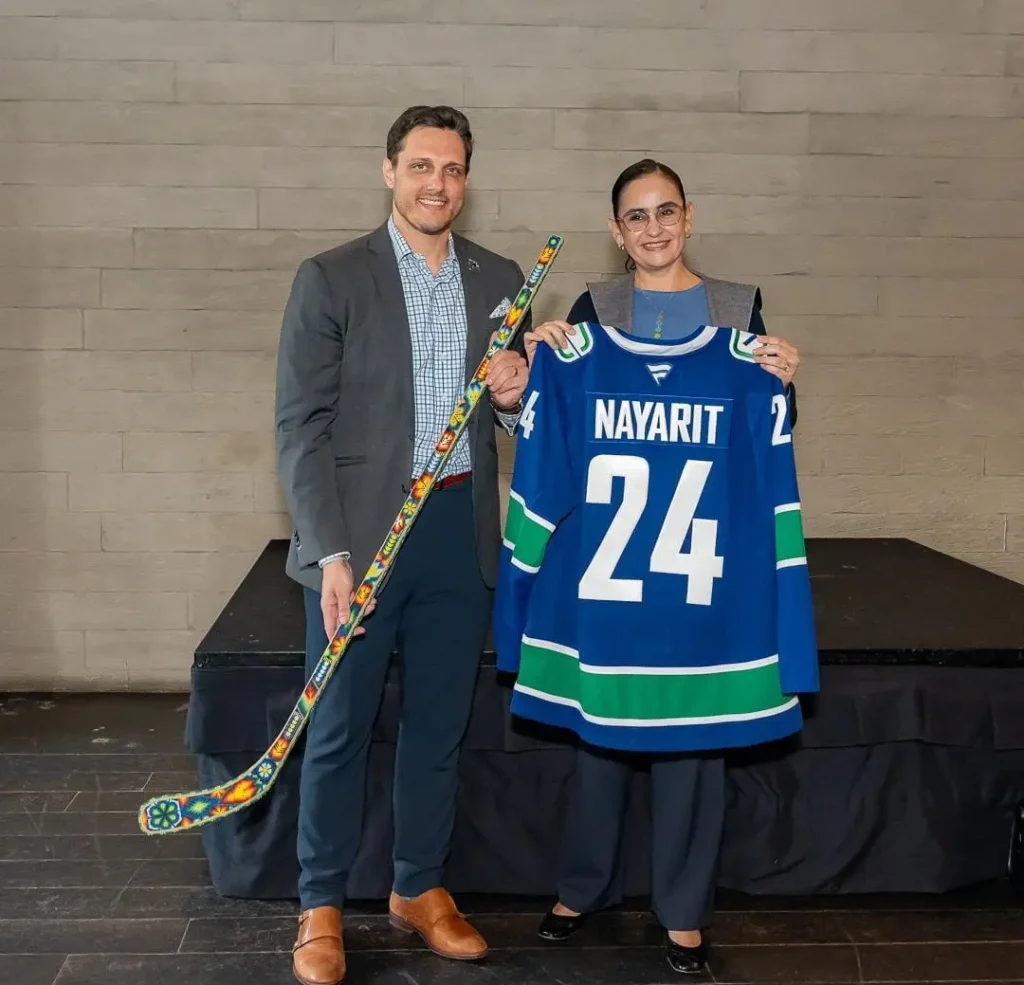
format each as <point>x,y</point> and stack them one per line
<point>165,164</point>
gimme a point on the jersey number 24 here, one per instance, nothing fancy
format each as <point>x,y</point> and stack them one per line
<point>700,564</point>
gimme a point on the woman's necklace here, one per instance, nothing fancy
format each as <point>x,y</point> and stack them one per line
<point>658,311</point>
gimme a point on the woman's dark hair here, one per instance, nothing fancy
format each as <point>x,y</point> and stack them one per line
<point>441,117</point>
<point>639,170</point>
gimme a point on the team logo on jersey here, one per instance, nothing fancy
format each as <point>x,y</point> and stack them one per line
<point>577,345</point>
<point>659,371</point>
<point>742,345</point>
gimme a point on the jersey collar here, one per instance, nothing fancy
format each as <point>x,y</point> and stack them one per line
<point>692,344</point>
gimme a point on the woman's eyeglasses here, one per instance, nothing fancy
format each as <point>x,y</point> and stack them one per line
<point>666,215</point>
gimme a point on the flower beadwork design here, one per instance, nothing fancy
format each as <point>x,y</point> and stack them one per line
<point>163,815</point>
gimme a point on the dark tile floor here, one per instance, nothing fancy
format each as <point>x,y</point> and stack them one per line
<point>86,899</point>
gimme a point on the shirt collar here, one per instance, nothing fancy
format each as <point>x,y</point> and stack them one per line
<point>403,249</point>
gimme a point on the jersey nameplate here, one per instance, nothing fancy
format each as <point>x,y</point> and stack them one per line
<point>671,420</point>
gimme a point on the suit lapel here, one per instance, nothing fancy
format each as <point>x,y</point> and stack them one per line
<point>713,296</point>
<point>613,302</point>
<point>395,336</point>
<point>477,313</point>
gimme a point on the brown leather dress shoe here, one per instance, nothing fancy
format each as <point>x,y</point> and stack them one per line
<point>318,955</point>
<point>434,916</point>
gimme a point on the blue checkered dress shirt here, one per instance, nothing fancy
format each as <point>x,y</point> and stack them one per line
<point>437,326</point>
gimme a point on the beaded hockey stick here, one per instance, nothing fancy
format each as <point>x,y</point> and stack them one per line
<point>185,811</point>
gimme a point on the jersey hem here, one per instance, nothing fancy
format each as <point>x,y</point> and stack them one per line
<point>661,739</point>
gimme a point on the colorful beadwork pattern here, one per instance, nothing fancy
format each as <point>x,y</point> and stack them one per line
<point>184,811</point>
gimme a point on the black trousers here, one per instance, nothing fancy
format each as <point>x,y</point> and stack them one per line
<point>688,813</point>
<point>436,606</point>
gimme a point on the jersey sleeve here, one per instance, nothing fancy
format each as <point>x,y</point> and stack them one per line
<point>797,638</point>
<point>539,498</point>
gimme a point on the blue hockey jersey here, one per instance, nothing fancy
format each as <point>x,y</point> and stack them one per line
<point>653,592</point>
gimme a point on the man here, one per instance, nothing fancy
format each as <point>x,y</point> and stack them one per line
<point>379,339</point>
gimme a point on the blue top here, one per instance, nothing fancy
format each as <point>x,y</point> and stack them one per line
<point>670,315</point>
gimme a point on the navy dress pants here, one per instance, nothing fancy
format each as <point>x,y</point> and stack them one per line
<point>687,814</point>
<point>436,607</point>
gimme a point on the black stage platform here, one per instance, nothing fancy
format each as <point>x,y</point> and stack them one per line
<point>905,778</point>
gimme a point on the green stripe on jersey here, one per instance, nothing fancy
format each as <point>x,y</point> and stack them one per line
<point>631,696</point>
<point>526,533</point>
<point>789,535</point>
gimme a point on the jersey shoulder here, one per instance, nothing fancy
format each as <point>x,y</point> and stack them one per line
<point>740,345</point>
<point>580,344</point>
<point>565,366</point>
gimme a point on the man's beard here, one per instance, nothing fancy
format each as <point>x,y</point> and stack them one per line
<point>426,222</point>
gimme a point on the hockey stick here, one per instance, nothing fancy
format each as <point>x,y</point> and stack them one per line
<point>184,811</point>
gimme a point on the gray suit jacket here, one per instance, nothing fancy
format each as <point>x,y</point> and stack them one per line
<point>344,407</point>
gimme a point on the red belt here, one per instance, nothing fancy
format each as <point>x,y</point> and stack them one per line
<point>452,480</point>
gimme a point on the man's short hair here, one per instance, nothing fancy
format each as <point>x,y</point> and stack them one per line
<point>441,117</point>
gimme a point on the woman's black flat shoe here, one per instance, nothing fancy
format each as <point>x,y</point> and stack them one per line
<point>555,927</point>
<point>687,960</point>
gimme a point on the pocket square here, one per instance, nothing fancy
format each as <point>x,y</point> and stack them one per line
<point>503,309</point>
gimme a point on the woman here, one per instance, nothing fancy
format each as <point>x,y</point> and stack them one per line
<point>664,298</point>
<point>660,298</point>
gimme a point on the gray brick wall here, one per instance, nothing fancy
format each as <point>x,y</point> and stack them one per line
<point>165,164</point>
